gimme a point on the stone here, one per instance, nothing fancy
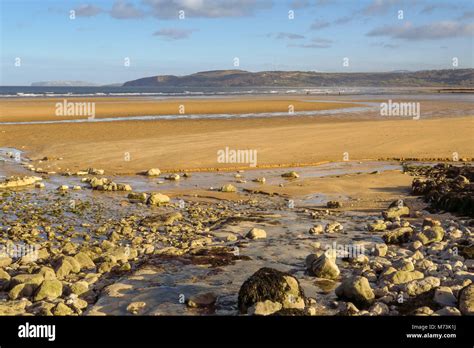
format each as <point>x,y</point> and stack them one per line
<point>324,267</point>
<point>49,290</point>
<point>316,229</point>
<point>14,307</point>
<point>423,311</point>
<point>398,236</point>
<point>5,261</point>
<point>333,204</point>
<point>265,308</point>
<point>402,277</point>
<point>444,296</point>
<point>380,249</point>
<point>290,175</point>
<point>466,300</point>
<point>137,197</point>
<point>356,289</point>
<point>396,209</point>
<point>153,172</point>
<point>417,287</point>
<point>47,273</point>
<point>448,311</point>
<point>136,307</point>
<point>15,181</point>
<point>377,226</point>
<point>33,279</point>
<point>4,279</point>
<point>63,269</point>
<point>333,227</point>
<point>158,199</point>
<point>61,310</point>
<point>173,177</point>
<point>260,180</point>
<point>256,233</point>
<point>273,285</point>
<point>203,300</point>
<point>80,287</point>
<point>379,308</point>
<point>84,260</point>
<point>228,188</point>
<point>430,235</point>
<point>404,265</point>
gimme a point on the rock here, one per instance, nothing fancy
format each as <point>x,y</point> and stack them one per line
<point>63,188</point>
<point>153,172</point>
<point>273,285</point>
<point>158,199</point>
<point>228,188</point>
<point>21,290</point>
<point>61,310</point>
<point>94,171</point>
<point>290,175</point>
<point>430,235</point>
<point>316,229</point>
<point>40,185</point>
<point>4,279</point>
<point>15,181</point>
<point>137,197</point>
<point>398,236</point>
<point>448,311</point>
<point>356,289</point>
<point>402,277</point>
<point>260,180</point>
<point>256,233</point>
<point>33,279</point>
<point>404,265</point>
<point>63,269</point>
<point>49,289</point>
<point>333,204</point>
<point>466,300</point>
<point>265,308</point>
<point>380,249</point>
<point>323,266</point>
<point>85,262</point>
<point>207,299</point>
<point>5,261</point>
<point>444,296</point>
<point>136,307</point>
<point>333,227</point>
<point>379,308</point>
<point>396,209</point>
<point>79,287</point>
<point>47,273</point>
<point>377,226</point>
<point>173,177</point>
<point>422,311</point>
<point>430,222</point>
<point>13,307</point>
<point>417,287</point>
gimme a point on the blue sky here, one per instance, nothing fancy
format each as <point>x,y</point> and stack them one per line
<point>94,45</point>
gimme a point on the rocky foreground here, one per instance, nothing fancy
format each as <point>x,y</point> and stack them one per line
<point>93,254</point>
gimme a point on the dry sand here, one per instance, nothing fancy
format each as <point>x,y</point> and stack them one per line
<point>193,144</point>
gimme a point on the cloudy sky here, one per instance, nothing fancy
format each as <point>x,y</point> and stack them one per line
<point>112,41</point>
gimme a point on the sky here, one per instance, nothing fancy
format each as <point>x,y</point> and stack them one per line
<point>113,41</point>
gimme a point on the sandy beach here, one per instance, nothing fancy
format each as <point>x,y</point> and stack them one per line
<point>129,147</point>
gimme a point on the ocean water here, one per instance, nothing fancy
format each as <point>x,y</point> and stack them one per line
<point>164,92</point>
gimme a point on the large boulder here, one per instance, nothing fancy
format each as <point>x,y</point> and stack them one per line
<point>272,285</point>
<point>323,266</point>
<point>357,290</point>
<point>49,289</point>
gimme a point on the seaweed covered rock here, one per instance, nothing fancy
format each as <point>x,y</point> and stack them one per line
<point>446,187</point>
<point>272,285</point>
